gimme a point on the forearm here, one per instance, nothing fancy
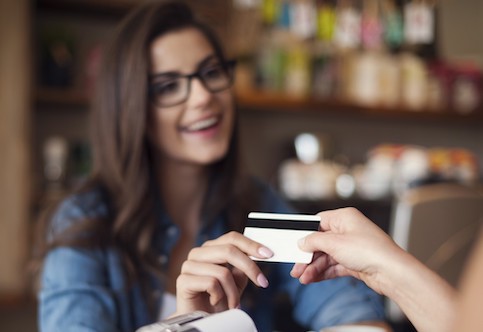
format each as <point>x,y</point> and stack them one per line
<point>469,317</point>
<point>427,300</point>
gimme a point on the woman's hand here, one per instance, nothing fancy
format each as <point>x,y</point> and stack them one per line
<point>349,244</point>
<point>214,276</point>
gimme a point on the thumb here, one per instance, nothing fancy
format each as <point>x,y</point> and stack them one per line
<point>318,241</point>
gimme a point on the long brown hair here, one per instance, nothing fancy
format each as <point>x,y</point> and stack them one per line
<point>123,157</point>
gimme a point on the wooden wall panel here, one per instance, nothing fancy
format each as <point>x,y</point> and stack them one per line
<point>14,143</point>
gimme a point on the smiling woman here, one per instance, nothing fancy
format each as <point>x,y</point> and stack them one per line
<point>192,105</point>
<point>156,228</point>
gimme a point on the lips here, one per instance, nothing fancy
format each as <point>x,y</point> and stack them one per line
<point>203,124</point>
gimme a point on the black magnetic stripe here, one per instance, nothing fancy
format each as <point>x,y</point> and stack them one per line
<point>283,224</point>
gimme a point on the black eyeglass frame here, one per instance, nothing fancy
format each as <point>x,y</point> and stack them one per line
<point>228,65</point>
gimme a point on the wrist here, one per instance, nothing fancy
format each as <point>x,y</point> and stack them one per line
<point>393,273</point>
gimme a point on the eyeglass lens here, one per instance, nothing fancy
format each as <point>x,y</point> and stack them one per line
<point>174,90</point>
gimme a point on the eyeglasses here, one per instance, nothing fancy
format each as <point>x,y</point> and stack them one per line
<point>170,90</point>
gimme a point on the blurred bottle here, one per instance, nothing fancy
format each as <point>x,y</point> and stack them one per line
<point>371,25</point>
<point>466,88</point>
<point>362,78</point>
<point>298,72</point>
<point>303,18</point>
<point>347,31</point>
<point>325,21</point>
<point>271,61</point>
<point>393,24</point>
<point>414,82</point>
<point>55,153</point>
<point>324,76</point>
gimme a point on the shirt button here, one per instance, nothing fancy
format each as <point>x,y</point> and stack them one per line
<point>172,231</point>
<point>163,259</point>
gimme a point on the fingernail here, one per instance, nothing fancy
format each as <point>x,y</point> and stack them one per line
<point>262,281</point>
<point>265,252</point>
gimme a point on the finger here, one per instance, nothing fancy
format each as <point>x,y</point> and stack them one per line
<point>339,220</point>
<point>221,273</point>
<point>337,271</point>
<point>193,287</point>
<point>329,219</point>
<point>311,274</point>
<point>317,269</point>
<point>230,254</point>
<point>297,270</point>
<point>248,246</point>
<point>319,241</point>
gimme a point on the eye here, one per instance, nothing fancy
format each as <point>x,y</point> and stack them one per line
<point>214,72</point>
<point>166,87</point>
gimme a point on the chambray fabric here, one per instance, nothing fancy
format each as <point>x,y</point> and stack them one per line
<point>85,290</point>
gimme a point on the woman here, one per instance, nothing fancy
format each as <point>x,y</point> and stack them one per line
<point>167,180</point>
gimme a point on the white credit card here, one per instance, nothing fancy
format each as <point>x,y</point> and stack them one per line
<point>280,233</point>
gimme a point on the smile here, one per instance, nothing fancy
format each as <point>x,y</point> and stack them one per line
<point>203,124</point>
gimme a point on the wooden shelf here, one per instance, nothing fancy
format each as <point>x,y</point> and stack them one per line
<point>15,300</point>
<point>116,9</point>
<point>275,102</point>
<point>62,97</point>
<point>106,8</point>
<point>270,102</point>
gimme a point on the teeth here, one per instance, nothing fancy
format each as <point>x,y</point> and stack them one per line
<point>203,124</point>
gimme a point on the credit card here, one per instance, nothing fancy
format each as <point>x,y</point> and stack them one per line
<point>280,233</point>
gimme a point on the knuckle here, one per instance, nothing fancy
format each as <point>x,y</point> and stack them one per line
<point>355,210</point>
<point>185,267</point>
<point>213,285</point>
<point>231,250</point>
<point>181,282</point>
<point>351,210</point>
<point>208,243</point>
<point>192,253</point>
<point>225,274</point>
<point>232,235</point>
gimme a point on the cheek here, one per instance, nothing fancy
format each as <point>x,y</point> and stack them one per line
<point>229,106</point>
<point>160,130</point>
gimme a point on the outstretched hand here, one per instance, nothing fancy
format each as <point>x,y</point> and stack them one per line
<point>349,244</point>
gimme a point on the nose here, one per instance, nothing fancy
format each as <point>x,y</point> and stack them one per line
<point>199,95</point>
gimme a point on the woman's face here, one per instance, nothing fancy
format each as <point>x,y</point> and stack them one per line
<point>196,130</point>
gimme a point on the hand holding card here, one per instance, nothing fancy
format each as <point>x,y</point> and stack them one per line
<point>280,233</point>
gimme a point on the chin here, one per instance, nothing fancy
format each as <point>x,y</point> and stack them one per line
<point>211,157</point>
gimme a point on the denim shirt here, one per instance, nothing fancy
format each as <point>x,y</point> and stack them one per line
<point>85,289</point>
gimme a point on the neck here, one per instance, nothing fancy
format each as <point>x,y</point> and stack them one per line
<point>183,187</point>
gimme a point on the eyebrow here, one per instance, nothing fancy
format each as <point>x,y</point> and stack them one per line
<point>200,65</point>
